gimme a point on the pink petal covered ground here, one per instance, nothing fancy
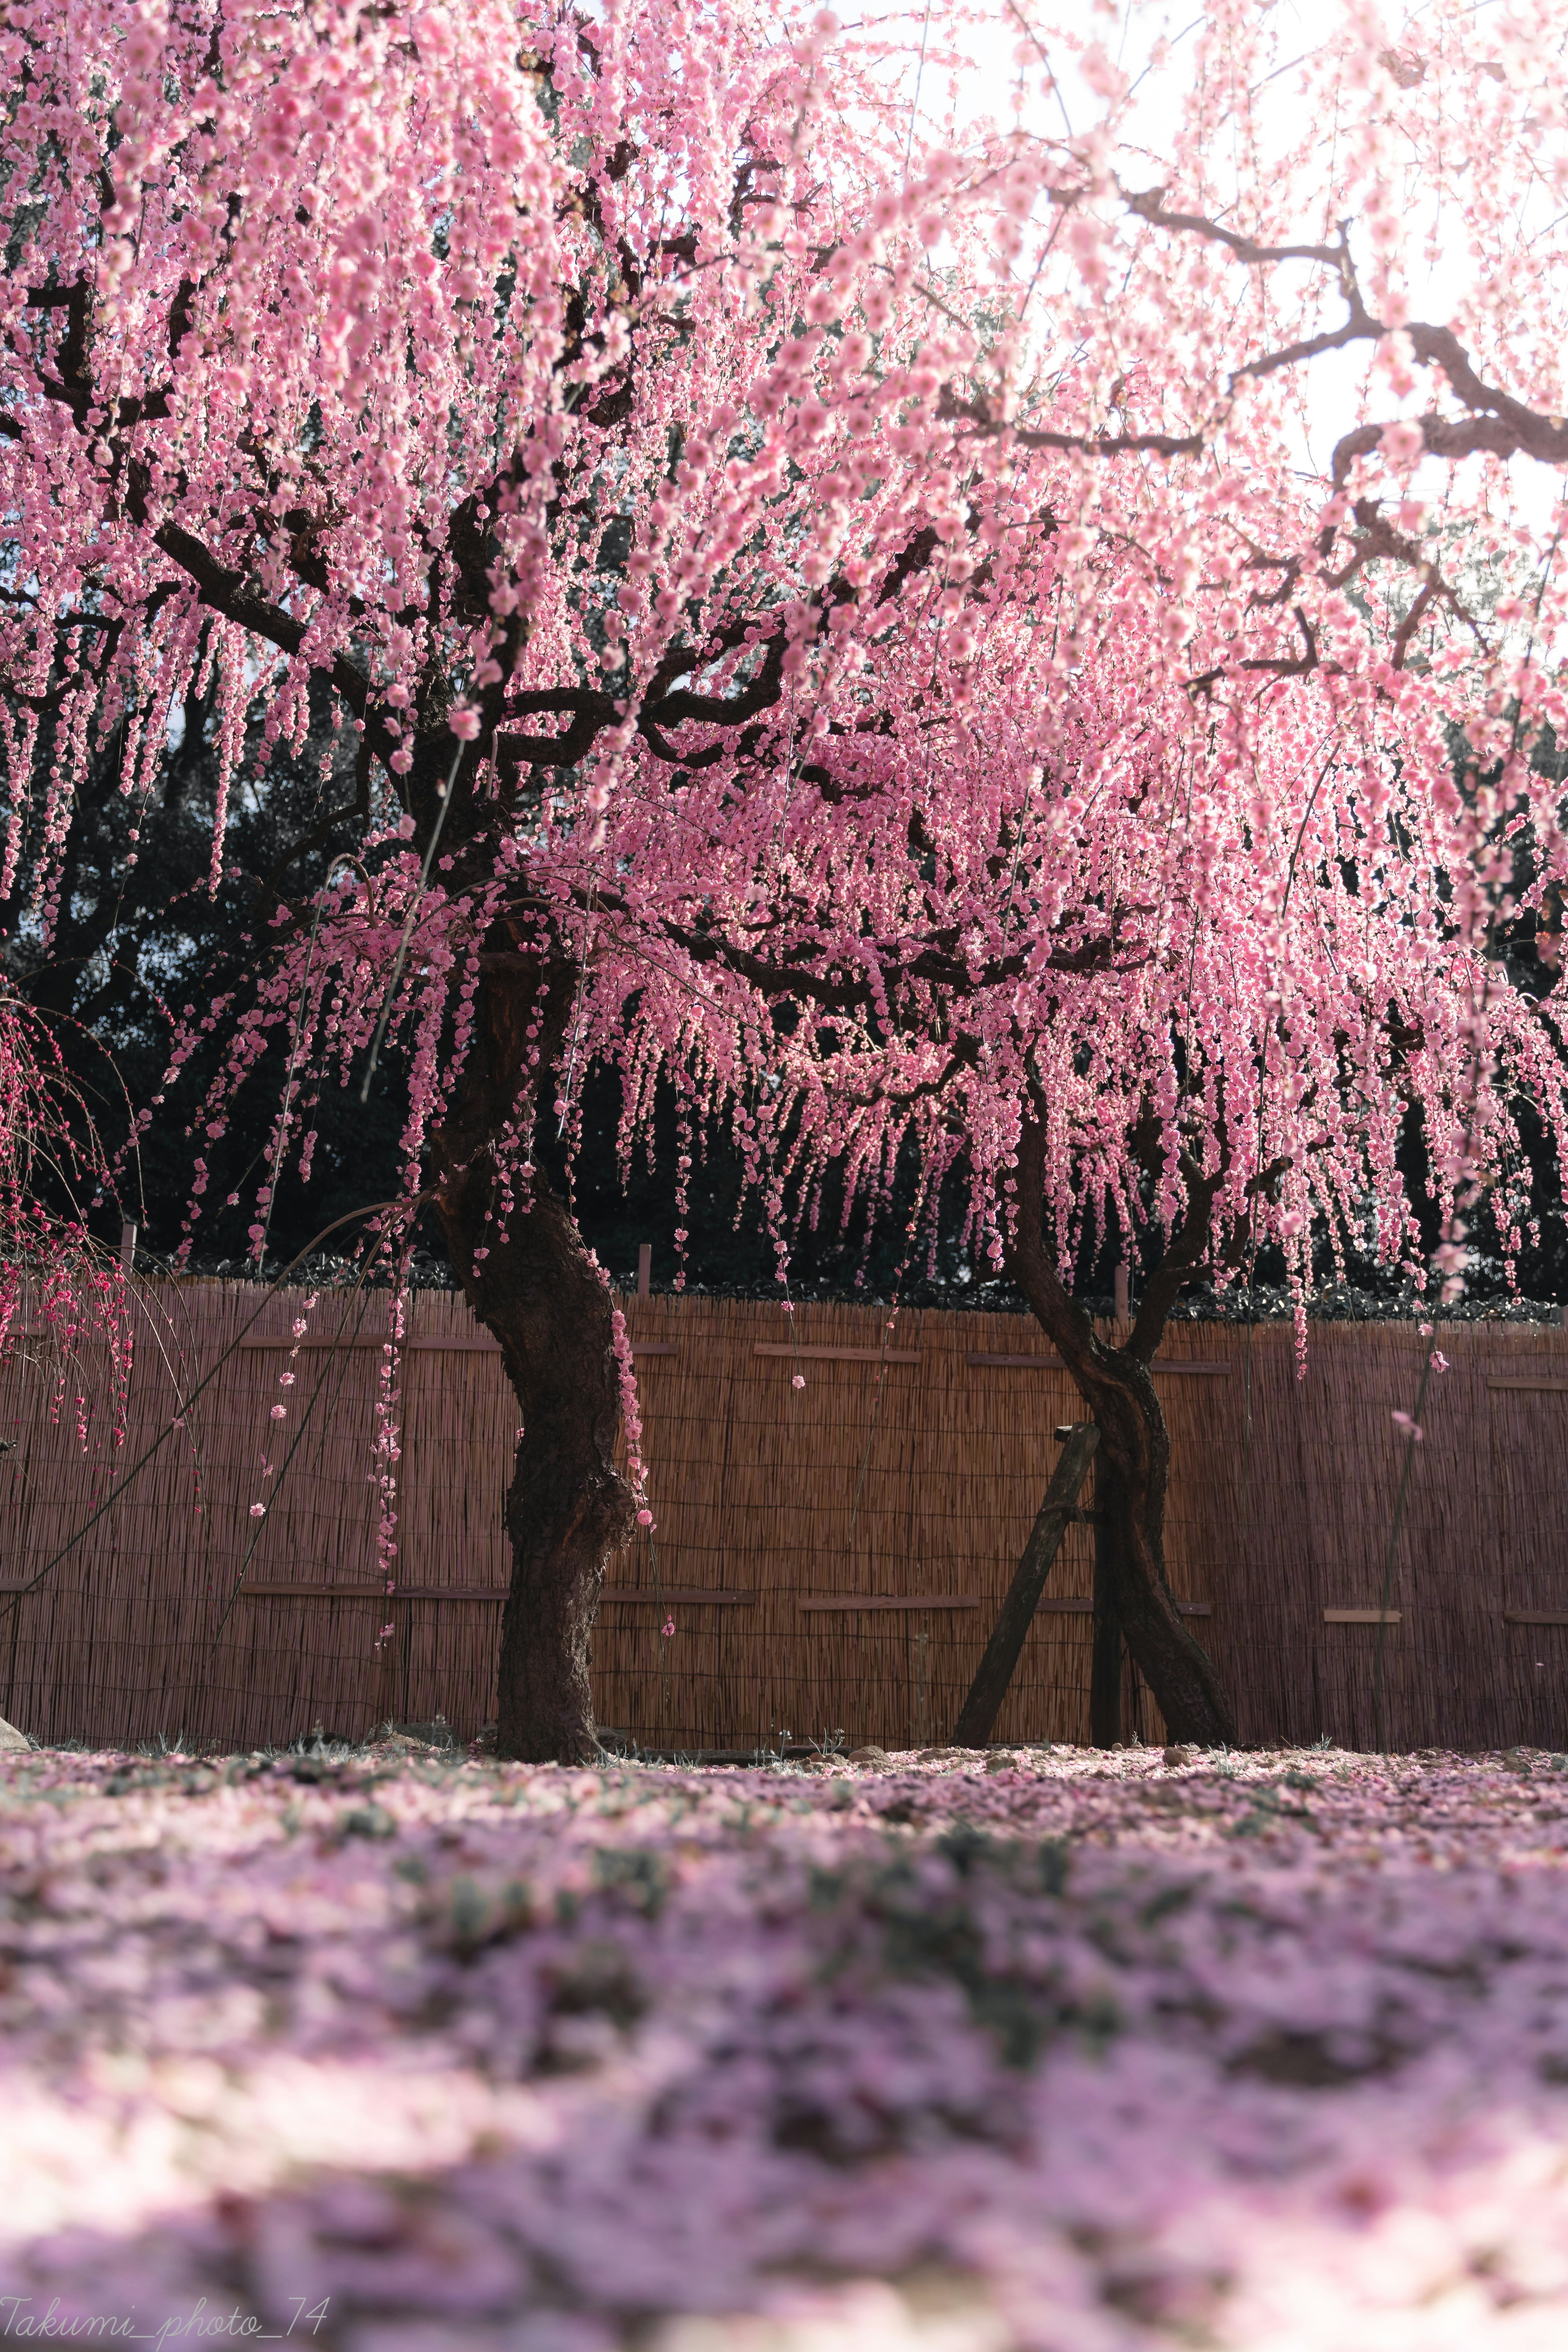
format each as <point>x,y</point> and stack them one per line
<point>1068,2055</point>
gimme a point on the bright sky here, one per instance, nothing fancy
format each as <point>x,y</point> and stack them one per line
<point>1003,77</point>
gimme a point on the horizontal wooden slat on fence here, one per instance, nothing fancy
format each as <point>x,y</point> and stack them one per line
<point>362,1591</point>
<point>684,1593</point>
<point>359,1591</point>
<point>1039,1363</point>
<point>844,1601</point>
<point>1538,1387</point>
<point>1016,1363</point>
<point>1084,1607</point>
<point>838,1354</point>
<point>51,1331</point>
<point>1360,1616</point>
<point>430,1346</point>
<point>1535,1616</point>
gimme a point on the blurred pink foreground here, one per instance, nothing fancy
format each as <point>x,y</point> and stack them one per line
<point>1057,2053</point>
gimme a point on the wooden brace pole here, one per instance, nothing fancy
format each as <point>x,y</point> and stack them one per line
<point>989,1688</point>
<point>1105,1667</point>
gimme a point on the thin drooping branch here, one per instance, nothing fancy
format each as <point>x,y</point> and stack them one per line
<point>1497,424</point>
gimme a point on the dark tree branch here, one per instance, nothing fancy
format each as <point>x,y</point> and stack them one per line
<point>1188,1251</point>
<point>1193,1246</point>
<point>1150,206</point>
<point>665,706</point>
<point>267,889</point>
<point>977,412</point>
<point>223,589</point>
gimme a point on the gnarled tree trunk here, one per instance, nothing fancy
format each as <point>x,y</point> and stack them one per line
<point>536,1289</point>
<point>1133,1464</point>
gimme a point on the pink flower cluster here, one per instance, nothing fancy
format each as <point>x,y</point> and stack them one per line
<point>58,1285</point>
<point>1039,2052</point>
<point>970,660</point>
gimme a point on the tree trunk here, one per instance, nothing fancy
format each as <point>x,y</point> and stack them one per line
<point>537,1290</point>
<point>1134,1454</point>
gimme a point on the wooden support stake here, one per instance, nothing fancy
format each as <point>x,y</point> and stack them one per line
<point>989,1687</point>
<point>128,1246</point>
<point>1123,1273</point>
<point>645,1267</point>
<point>1105,1663</point>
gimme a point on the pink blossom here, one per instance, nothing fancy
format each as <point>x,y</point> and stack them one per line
<point>1403,442</point>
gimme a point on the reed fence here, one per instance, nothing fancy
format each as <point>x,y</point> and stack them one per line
<point>832,1557</point>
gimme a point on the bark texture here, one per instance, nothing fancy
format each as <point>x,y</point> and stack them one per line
<point>538,1292</point>
<point>1132,1464</point>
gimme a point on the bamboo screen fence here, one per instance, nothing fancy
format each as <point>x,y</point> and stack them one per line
<point>832,1556</point>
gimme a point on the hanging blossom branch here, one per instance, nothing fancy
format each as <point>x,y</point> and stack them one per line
<point>704,508</point>
<point>58,1285</point>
